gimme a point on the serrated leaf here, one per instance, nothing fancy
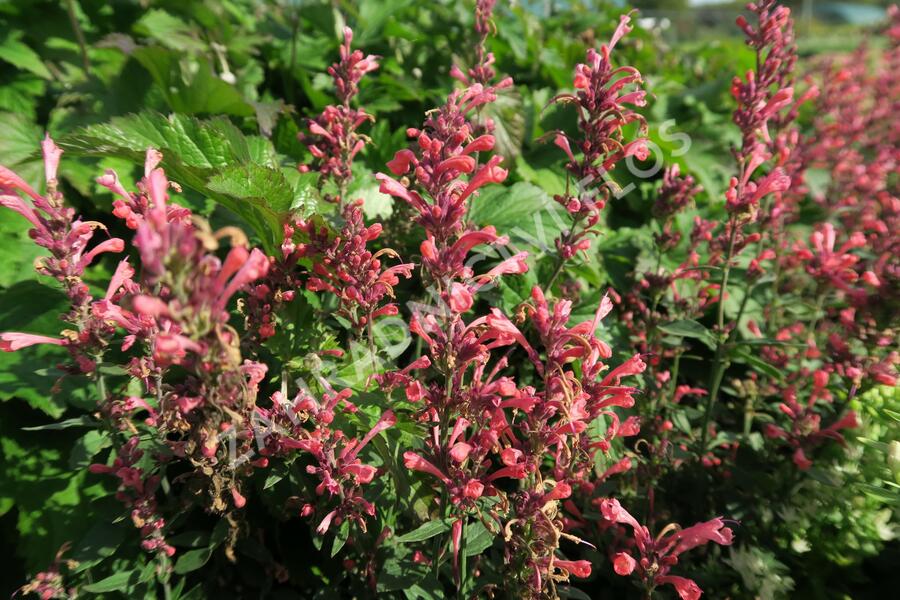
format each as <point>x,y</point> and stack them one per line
<point>524,212</point>
<point>424,532</point>
<point>210,156</point>
<point>253,183</point>
<point>19,55</point>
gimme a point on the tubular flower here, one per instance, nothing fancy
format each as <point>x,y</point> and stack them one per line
<point>304,423</point>
<point>658,555</point>
<point>603,97</point>
<point>333,138</point>
<point>346,268</point>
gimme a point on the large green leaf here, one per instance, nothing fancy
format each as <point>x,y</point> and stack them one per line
<point>524,212</point>
<point>212,157</point>
<point>17,145</point>
<point>190,86</point>
<point>18,54</point>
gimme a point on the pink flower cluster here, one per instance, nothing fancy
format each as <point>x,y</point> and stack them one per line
<point>345,267</point>
<point>657,555</point>
<point>603,97</point>
<point>334,139</point>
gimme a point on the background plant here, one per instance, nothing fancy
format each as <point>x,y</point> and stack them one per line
<point>269,299</point>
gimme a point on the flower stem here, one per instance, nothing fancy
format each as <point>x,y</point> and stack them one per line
<point>79,35</point>
<point>719,363</point>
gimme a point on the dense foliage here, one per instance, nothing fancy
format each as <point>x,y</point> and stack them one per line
<point>445,299</point>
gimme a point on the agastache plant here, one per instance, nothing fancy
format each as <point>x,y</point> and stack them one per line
<point>56,228</point>
<point>338,263</point>
<point>485,419</point>
<point>461,439</point>
<point>175,315</point>
<point>334,139</point>
<point>652,558</point>
<point>845,268</point>
<point>603,98</point>
<point>765,100</point>
<point>494,450</point>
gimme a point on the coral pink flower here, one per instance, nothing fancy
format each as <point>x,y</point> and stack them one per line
<point>10,341</point>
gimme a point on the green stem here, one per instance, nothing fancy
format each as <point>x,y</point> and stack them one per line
<point>79,36</point>
<point>719,363</point>
<point>749,412</point>
<point>560,261</point>
<point>463,561</point>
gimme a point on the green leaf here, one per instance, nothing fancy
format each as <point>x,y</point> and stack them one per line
<point>192,560</point>
<point>190,86</point>
<point>211,157</point>
<point>567,591</point>
<point>524,212</point>
<point>255,184</point>
<point>82,421</point>
<point>20,141</point>
<point>18,144</point>
<point>101,541</point>
<point>880,493</point>
<point>87,447</point>
<point>742,355</point>
<point>478,538</point>
<point>189,539</point>
<point>31,307</point>
<point>20,94</point>
<point>681,422</point>
<point>117,582</point>
<point>690,329</point>
<point>340,538</point>
<point>272,479</point>
<point>424,532</point>
<point>508,117</point>
<point>18,54</point>
<point>169,31</point>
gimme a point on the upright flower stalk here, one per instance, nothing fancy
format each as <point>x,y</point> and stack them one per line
<point>483,419</point>
<point>603,98</point>
<point>56,228</point>
<point>334,139</point>
<point>763,95</point>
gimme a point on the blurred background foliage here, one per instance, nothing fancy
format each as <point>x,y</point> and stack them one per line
<point>99,74</point>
